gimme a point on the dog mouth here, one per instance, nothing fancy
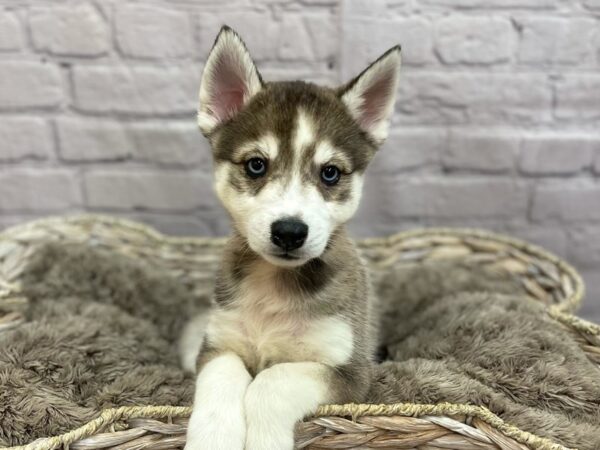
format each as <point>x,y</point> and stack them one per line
<point>286,256</point>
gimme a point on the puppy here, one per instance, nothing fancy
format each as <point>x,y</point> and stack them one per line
<point>292,324</point>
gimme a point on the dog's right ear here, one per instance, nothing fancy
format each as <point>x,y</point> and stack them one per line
<point>229,80</point>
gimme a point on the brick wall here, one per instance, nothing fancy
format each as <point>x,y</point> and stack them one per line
<point>497,124</point>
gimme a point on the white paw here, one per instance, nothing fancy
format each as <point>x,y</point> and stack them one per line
<point>218,421</point>
<point>208,431</point>
<point>279,397</point>
<point>270,424</point>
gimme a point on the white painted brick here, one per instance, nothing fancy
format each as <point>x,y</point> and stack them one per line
<point>218,221</point>
<point>365,8</point>
<point>139,90</point>
<point>553,238</point>
<point>27,84</point>
<point>164,142</point>
<point>131,190</point>
<point>11,37</point>
<point>263,3</point>
<point>552,154</point>
<point>38,190</point>
<point>272,72</point>
<point>373,218</point>
<point>91,140</point>
<point>175,225</point>
<point>457,198</point>
<point>10,221</point>
<point>230,3</point>
<point>365,39</point>
<point>407,149</point>
<point>482,150</point>
<point>319,2</point>
<point>261,33</point>
<point>556,40</point>
<point>578,97</point>
<point>308,37</point>
<point>592,4</point>
<point>568,202</point>
<point>481,98</point>
<point>324,34</point>
<point>590,308</point>
<point>584,246</point>
<point>77,29</point>
<point>22,138</point>
<point>527,4</point>
<point>208,222</point>
<point>170,143</point>
<point>153,32</point>
<point>470,40</point>
<point>295,43</point>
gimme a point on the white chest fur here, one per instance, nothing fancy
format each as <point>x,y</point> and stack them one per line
<point>264,329</point>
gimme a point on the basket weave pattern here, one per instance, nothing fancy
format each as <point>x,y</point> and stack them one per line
<point>401,426</point>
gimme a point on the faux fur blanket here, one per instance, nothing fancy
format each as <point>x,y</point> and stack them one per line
<point>102,330</point>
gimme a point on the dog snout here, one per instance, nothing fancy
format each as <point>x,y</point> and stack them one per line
<point>289,234</point>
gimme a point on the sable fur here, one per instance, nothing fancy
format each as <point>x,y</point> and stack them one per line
<point>334,285</point>
<point>292,327</point>
<point>80,351</point>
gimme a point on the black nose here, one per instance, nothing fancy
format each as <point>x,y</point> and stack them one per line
<point>288,234</point>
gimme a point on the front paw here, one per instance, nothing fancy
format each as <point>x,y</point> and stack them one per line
<point>207,431</point>
<point>269,423</point>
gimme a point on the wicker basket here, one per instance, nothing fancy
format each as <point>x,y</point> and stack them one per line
<point>400,426</point>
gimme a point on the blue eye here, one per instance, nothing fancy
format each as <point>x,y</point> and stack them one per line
<point>256,167</point>
<point>330,175</point>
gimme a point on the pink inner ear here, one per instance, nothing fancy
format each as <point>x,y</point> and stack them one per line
<point>229,89</point>
<point>375,100</point>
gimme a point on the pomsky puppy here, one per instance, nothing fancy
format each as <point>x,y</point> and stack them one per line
<point>292,323</point>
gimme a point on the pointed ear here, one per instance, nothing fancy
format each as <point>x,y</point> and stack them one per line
<point>371,95</point>
<point>229,80</point>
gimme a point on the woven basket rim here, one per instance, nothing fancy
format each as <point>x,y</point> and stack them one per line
<point>574,301</point>
<point>558,312</point>
<point>569,304</point>
<point>110,416</point>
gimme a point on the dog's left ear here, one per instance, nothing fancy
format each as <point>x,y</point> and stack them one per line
<point>229,80</point>
<point>370,97</point>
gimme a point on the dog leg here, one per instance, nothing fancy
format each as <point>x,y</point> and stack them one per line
<point>191,340</point>
<point>217,421</point>
<point>279,397</point>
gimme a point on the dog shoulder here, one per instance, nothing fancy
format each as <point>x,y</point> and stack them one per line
<point>333,337</point>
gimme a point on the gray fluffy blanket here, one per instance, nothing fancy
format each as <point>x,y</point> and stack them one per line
<point>102,333</point>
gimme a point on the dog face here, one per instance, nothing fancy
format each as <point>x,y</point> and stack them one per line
<point>290,156</point>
